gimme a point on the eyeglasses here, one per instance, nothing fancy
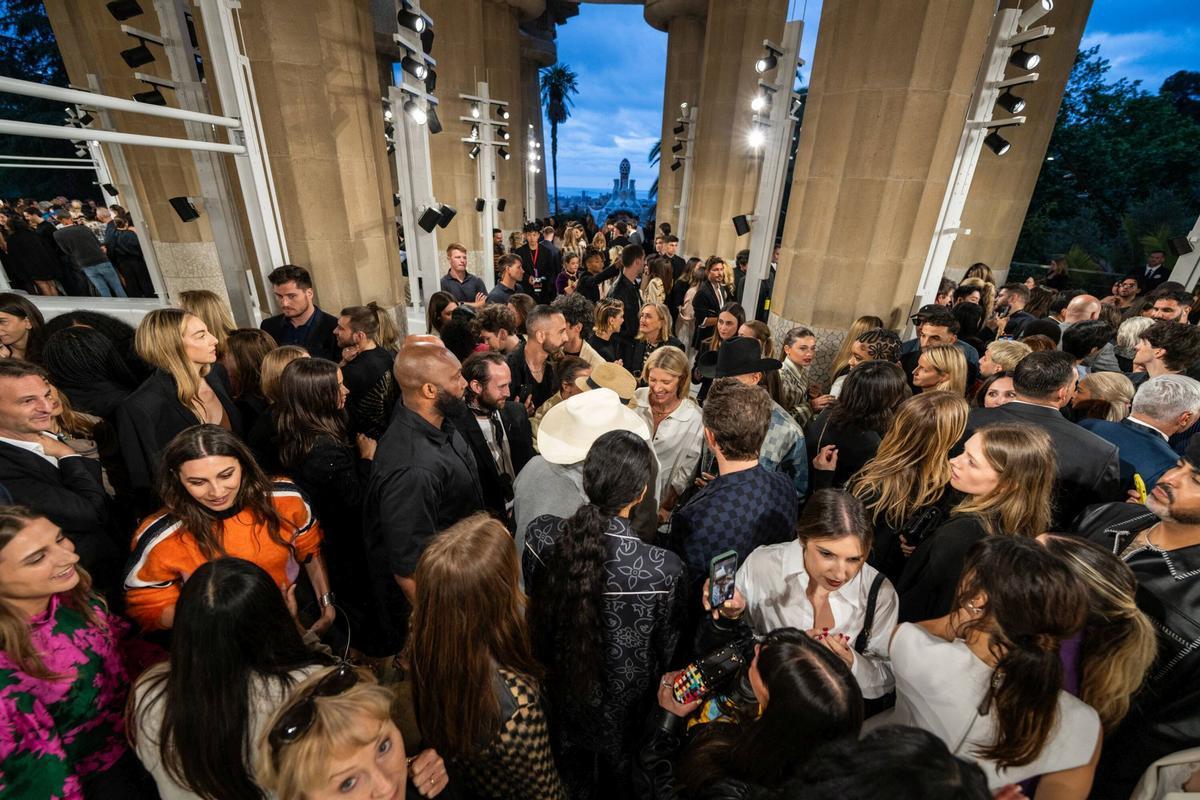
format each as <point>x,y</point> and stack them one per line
<point>298,719</point>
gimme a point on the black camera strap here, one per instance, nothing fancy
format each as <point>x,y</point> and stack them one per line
<point>864,636</point>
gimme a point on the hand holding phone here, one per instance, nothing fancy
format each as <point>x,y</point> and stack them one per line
<point>721,573</point>
<point>1140,486</point>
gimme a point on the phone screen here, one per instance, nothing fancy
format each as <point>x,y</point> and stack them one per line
<point>721,572</point>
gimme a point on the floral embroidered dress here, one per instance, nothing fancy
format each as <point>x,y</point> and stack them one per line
<point>54,733</point>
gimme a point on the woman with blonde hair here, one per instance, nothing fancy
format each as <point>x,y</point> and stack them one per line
<point>1119,642</point>
<point>181,393</point>
<point>263,438</point>
<point>600,244</point>
<point>1007,473</point>
<point>1103,395</point>
<point>605,337</point>
<point>904,486</point>
<point>212,310</point>
<point>654,331</point>
<point>841,359</point>
<point>574,242</point>
<point>942,368</point>
<point>676,426</point>
<point>475,683</point>
<point>987,291</point>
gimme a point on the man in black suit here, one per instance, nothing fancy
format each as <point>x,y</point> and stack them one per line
<point>44,473</point>
<point>497,431</point>
<point>1088,468</point>
<point>1155,271</point>
<point>671,251</point>
<point>710,298</point>
<point>625,288</point>
<point>301,322</point>
<point>539,264</point>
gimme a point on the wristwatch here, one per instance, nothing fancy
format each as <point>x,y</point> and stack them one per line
<point>326,600</point>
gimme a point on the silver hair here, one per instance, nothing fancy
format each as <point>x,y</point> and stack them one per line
<point>1166,397</point>
<point>1130,331</point>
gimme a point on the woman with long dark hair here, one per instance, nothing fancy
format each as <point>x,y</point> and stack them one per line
<point>217,502</point>
<point>854,426</point>
<point>475,682</point>
<point>235,654</point>
<point>86,367</point>
<point>605,612</point>
<point>987,679</point>
<point>803,696</point>
<point>441,308</point>
<point>729,319</point>
<point>22,328</point>
<point>315,449</point>
<point>245,350</point>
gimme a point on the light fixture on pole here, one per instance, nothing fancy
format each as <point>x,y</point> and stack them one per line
<point>486,142</point>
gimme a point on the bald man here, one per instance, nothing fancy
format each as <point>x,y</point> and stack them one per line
<point>1081,309</point>
<point>423,478</point>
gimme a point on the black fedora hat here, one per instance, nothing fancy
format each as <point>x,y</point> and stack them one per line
<point>740,355</point>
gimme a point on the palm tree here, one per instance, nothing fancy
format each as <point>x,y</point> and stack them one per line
<point>655,154</point>
<point>559,85</point>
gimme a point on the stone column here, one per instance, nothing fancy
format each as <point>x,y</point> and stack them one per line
<point>879,138</point>
<point>683,21</point>
<point>725,179</point>
<point>1003,185</point>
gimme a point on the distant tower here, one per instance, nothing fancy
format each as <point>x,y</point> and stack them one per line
<point>624,172</point>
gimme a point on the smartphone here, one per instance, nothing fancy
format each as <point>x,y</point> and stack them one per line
<point>1140,485</point>
<point>721,572</point>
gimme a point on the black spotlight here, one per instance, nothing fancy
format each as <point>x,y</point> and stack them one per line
<point>184,208</point>
<point>474,154</point>
<point>741,224</point>
<point>137,56</point>
<point>435,124</point>
<point>677,148</point>
<point>479,204</point>
<point>503,133</point>
<point>427,40</point>
<point>86,119</point>
<point>997,143</point>
<point>109,189</point>
<point>429,219</point>
<point>500,204</point>
<point>1011,103</point>
<point>124,9</point>
<point>679,129</point>
<point>504,112</point>
<point>765,64</point>
<point>675,165</point>
<point>414,67</point>
<point>412,20</point>
<point>1179,246</point>
<point>1022,59</point>
<point>153,96</point>
<point>503,153</point>
<point>446,214</point>
<point>431,81</point>
<point>395,200</point>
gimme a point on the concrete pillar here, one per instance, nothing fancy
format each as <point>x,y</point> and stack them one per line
<point>879,138</point>
<point>683,21</point>
<point>90,41</point>
<point>317,83</point>
<point>726,168</point>
<point>1002,186</point>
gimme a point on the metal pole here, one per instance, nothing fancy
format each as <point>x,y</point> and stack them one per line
<point>531,161</point>
<point>486,169</point>
<point>216,190</point>
<point>416,194</point>
<point>89,166</point>
<point>691,118</point>
<point>14,86</point>
<point>1187,266</point>
<point>768,204</point>
<point>84,161</point>
<point>38,130</point>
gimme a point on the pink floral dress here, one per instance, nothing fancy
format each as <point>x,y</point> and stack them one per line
<point>54,733</point>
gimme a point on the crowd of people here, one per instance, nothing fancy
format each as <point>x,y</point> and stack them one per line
<point>600,533</point>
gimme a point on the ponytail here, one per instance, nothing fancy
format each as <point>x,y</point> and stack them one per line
<point>386,335</point>
<point>1023,698</point>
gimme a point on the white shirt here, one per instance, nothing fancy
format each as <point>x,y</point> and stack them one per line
<point>500,452</point>
<point>33,447</point>
<point>677,442</point>
<point>1147,425</point>
<point>774,582</point>
<point>939,685</point>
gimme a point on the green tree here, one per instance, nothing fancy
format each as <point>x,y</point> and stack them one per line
<point>28,51</point>
<point>559,87</point>
<point>1183,89</point>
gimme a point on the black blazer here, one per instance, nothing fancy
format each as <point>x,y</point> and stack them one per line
<point>71,496</point>
<point>547,269</point>
<point>930,578</point>
<point>321,342</point>
<point>706,305</point>
<point>1088,468</point>
<point>518,432</point>
<point>149,419</point>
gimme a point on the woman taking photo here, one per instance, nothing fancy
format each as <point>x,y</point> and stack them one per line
<point>854,426</point>
<point>605,338</point>
<point>217,502</point>
<point>181,393</point>
<point>904,487</point>
<point>314,446</point>
<point>987,679</point>
<point>803,696</point>
<point>676,425</point>
<point>1007,474</point>
<point>942,368</point>
<point>22,329</point>
<point>235,654</point>
<point>654,331</point>
<point>474,678</point>
<point>63,680</point>
<point>605,612</point>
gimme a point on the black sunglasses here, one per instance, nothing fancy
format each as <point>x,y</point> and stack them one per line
<point>298,719</point>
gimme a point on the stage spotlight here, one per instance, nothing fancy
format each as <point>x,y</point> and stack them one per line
<point>411,20</point>
<point>997,143</point>
<point>503,133</point>
<point>479,204</point>
<point>435,124</point>
<point>474,153</point>
<point>431,81</point>
<point>427,40</point>
<point>124,9</point>
<point>1023,59</point>
<point>679,129</point>
<point>475,132</point>
<point>389,130</point>
<point>184,208</point>
<point>391,148</point>
<point>415,112</point>
<point>137,56</point>
<point>109,189</point>
<point>414,67</point>
<point>395,200</point>
<point>1034,13</point>
<point>500,204</point>
<point>677,148</point>
<point>475,110</point>
<point>503,153</point>
<point>86,119</point>
<point>759,102</point>
<point>675,165</point>
<point>153,96</point>
<point>766,63</point>
<point>741,224</point>
<point>446,213</point>
<point>504,112</point>
<point>757,138</point>
<point>429,219</point>
<point>1011,103</point>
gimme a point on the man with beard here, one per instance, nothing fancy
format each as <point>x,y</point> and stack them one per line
<point>364,334</point>
<point>498,432</point>
<point>423,478</point>
<point>532,372</point>
<point>1160,543</point>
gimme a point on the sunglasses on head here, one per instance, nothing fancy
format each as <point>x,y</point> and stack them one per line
<point>299,719</point>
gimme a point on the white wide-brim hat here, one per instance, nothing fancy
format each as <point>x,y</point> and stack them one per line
<point>569,428</point>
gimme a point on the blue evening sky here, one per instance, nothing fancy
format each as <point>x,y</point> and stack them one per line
<point>621,63</point>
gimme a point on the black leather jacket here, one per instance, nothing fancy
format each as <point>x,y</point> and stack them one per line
<point>1165,715</point>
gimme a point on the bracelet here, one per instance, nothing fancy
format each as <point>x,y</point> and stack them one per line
<point>326,600</point>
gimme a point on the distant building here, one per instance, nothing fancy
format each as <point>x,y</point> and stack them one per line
<point>623,198</point>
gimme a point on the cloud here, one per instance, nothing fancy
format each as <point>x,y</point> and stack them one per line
<point>1146,55</point>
